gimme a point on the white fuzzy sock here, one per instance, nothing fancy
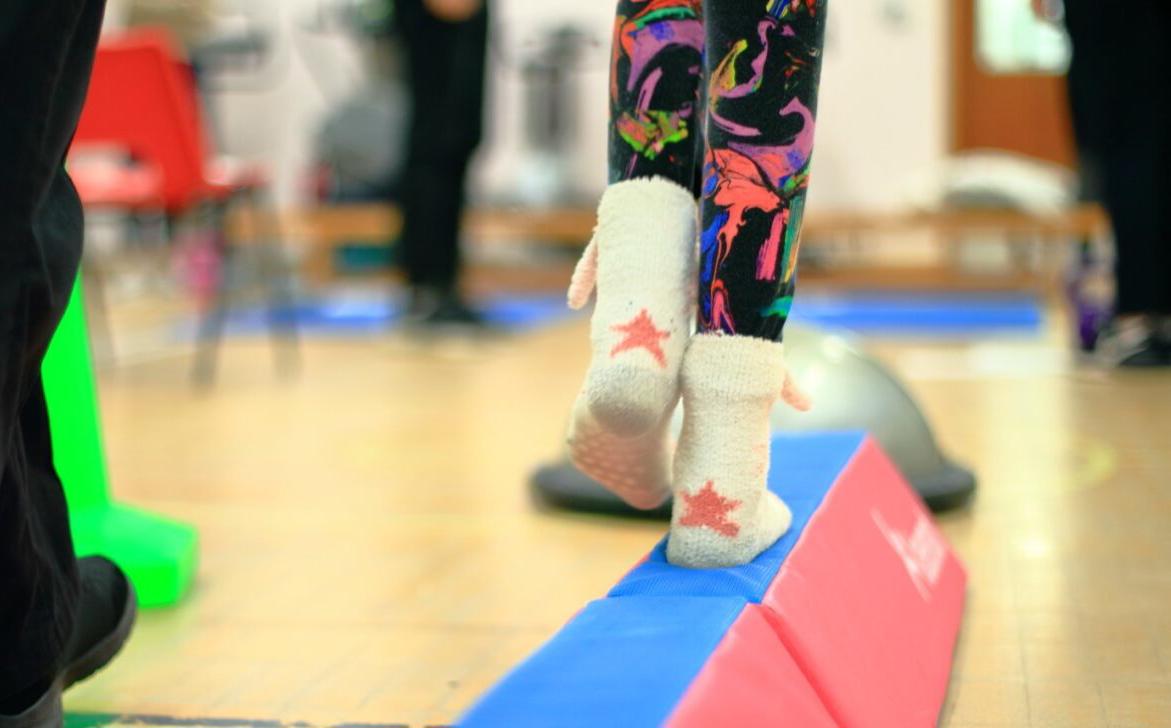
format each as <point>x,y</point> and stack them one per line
<point>723,514</point>
<point>642,260</point>
<point>636,468</point>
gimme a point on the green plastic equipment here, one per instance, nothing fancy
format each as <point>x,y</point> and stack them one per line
<point>159,554</point>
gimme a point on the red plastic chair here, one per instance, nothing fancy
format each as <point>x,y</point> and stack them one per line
<point>104,181</point>
<point>143,100</point>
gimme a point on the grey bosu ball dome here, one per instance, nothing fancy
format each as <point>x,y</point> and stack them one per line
<point>851,391</point>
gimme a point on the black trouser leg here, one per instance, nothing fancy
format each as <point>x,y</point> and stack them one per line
<point>1122,115</point>
<point>46,52</point>
<point>432,206</point>
<point>446,71</point>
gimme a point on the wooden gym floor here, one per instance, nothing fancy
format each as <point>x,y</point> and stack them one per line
<point>371,555</point>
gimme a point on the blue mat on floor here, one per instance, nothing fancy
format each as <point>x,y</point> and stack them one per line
<point>349,313</point>
<point>925,315</point>
<point>916,314</point>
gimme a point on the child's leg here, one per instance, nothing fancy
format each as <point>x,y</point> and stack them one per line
<point>642,256</point>
<point>655,68</point>
<point>763,66</point>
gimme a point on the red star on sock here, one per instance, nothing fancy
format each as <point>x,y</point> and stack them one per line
<point>641,334</point>
<point>707,508</point>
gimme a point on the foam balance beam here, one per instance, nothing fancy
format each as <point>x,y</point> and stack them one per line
<point>849,621</point>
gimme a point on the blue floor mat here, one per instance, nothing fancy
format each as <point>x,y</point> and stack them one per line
<point>921,314</point>
<point>924,315</point>
<point>349,313</point>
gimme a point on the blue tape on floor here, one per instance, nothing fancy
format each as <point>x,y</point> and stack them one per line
<point>874,313</point>
<point>619,663</point>
<point>921,314</point>
<point>802,470</point>
<point>349,313</point>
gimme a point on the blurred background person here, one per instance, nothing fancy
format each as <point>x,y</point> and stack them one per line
<point>1121,111</point>
<point>445,44</point>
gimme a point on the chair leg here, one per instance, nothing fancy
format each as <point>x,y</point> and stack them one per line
<point>211,333</point>
<point>211,323</point>
<point>101,331</point>
<point>280,282</point>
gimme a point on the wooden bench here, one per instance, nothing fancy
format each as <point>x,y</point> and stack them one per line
<point>324,229</point>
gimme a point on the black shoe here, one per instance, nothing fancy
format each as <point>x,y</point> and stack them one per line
<point>43,712</point>
<point>105,616</point>
<point>1134,342</point>
<point>421,303</point>
<point>453,311</point>
<point>1163,338</point>
<point>437,311</point>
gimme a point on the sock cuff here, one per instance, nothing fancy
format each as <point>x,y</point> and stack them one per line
<point>646,231</point>
<point>655,214</point>
<point>741,367</point>
<point>650,195</point>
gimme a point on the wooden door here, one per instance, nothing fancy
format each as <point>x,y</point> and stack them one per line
<point>1027,113</point>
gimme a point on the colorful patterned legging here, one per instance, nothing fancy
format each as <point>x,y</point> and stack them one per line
<point>760,63</point>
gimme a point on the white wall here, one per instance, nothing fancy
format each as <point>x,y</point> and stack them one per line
<point>883,109</point>
<point>884,112</point>
<point>274,117</point>
<point>518,26</point>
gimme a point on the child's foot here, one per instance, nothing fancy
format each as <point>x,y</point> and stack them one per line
<point>642,260</point>
<point>723,514</point>
<point>635,468</point>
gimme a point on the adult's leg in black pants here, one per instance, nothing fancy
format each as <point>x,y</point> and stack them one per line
<point>445,60</point>
<point>1122,116</point>
<point>58,619</point>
